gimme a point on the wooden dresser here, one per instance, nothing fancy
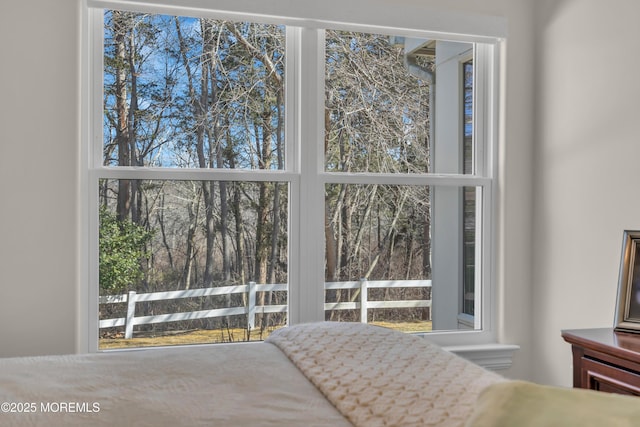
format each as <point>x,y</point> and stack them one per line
<point>605,360</point>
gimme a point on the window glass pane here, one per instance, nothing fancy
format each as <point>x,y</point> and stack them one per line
<point>377,99</point>
<point>192,92</point>
<point>468,117</point>
<point>378,237</point>
<point>181,237</point>
<point>469,197</point>
<point>469,249</point>
<point>379,250</point>
<point>395,104</point>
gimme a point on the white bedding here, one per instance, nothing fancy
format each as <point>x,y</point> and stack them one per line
<point>342,374</point>
<point>217,385</point>
<point>380,377</point>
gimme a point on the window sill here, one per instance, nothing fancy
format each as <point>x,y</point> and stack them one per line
<point>494,357</point>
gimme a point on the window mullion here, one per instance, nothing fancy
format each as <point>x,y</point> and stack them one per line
<point>292,165</point>
<point>195,174</point>
<point>92,69</point>
<point>308,292</point>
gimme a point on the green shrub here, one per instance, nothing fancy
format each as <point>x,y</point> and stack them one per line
<point>123,245</point>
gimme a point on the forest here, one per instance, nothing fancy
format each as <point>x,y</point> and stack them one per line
<point>200,93</point>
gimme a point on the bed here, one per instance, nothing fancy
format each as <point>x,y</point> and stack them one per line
<point>319,374</point>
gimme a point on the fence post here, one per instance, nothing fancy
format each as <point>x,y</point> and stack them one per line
<point>131,312</point>
<point>363,300</point>
<point>251,310</point>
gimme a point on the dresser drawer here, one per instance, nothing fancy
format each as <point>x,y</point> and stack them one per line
<point>603,377</point>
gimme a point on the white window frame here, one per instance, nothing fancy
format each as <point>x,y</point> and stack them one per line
<point>304,172</point>
<point>448,263</point>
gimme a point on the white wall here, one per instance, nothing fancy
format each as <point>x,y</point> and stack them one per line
<point>586,169</point>
<point>38,176</point>
<point>39,160</point>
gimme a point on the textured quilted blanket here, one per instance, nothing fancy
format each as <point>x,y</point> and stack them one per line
<point>380,377</point>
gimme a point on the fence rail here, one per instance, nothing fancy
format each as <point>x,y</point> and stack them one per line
<point>251,309</point>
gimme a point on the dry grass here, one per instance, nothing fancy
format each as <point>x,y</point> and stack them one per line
<point>201,336</point>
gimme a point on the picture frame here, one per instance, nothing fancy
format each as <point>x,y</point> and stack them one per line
<point>628,299</point>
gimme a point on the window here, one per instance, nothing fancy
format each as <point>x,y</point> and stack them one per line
<point>244,175</point>
<point>468,196</point>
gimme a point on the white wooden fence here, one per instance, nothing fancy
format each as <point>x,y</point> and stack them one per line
<point>251,309</point>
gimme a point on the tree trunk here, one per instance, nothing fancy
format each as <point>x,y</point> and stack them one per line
<point>123,207</point>
<point>187,271</point>
<point>263,242</point>
<point>135,197</point>
<point>163,232</point>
